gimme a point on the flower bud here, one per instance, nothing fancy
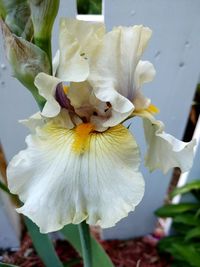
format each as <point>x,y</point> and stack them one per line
<point>43,14</point>
<point>26,59</point>
<point>17,16</point>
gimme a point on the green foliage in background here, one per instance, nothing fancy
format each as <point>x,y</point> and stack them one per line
<point>184,244</point>
<point>89,6</point>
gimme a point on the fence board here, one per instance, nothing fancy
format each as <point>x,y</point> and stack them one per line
<point>17,103</point>
<point>174,50</point>
<point>9,223</point>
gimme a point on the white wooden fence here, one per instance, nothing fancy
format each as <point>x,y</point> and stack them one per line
<point>175,52</point>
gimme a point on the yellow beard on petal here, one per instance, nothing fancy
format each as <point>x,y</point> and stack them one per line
<point>65,89</point>
<point>81,137</point>
<point>152,109</point>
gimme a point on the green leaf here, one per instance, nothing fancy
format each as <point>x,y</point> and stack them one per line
<point>43,245</point>
<point>100,258</point>
<point>72,263</point>
<point>89,7</point>
<point>4,188</point>
<point>178,263</point>
<point>188,253</point>
<point>195,185</point>
<point>180,228</point>
<point>7,265</point>
<point>172,210</point>
<point>188,219</point>
<point>197,213</point>
<point>194,233</point>
<point>180,250</point>
<point>165,244</point>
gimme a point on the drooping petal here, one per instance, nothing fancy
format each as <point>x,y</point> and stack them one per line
<point>46,85</point>
<point>145,72</point>
<point>77,41</point>
<point>59,186</point>
<point>165,151</point>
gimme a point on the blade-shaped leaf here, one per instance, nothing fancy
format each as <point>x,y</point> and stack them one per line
<point>165,244</point>
<point>180,250</point>
<point>193,233</point>
<point>188,253</point>
<point>180,228</point>
<point>6,190</point>
<point>4,187</point>
<point>195,185</point>
<point>100,258</point>
<point>72,263</point>
<point>172,210</point>
<point>177,263</point>
<point>188,219</point>
<point>43,245</point>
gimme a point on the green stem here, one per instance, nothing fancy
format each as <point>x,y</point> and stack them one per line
<point>45,45</point>
<point>84,233</point>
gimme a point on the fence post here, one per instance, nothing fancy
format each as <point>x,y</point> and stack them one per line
<point>174,50</point>
<point>17,103</point>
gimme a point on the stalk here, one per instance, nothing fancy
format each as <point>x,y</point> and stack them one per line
<point>84,233</point>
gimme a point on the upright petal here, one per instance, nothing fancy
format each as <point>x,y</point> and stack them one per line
<point>145,72</point>
<point>116,60</point>
<point>112,68</point>
<point>55,62</point>
<point>59,185</point>
<point>77,40</point>
<point>164,150</point>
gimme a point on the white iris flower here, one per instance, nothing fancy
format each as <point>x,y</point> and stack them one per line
<point>81,163</point>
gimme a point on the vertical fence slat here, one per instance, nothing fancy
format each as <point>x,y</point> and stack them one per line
<point>174,50</point>
<point>17,103</point>
<point>9,223</point>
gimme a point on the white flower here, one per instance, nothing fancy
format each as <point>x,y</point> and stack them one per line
<point>110,62</point>
<point>81,163</point>
<point>67,176</point>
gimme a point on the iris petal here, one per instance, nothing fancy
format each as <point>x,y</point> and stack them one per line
<point>164,150</point>
<point>59,186</point>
